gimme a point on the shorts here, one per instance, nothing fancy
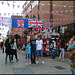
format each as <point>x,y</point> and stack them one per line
<point>28,56</point>
<point>39,53</point>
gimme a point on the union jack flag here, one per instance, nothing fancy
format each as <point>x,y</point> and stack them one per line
<point>5,21</point>
<point>35,23</point>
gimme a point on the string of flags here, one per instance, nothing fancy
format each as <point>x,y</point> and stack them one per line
<point>11,13</point>
<point>57,5</point>
<point>14,4</point>
<point>18,6</point>
<point>58,13</point>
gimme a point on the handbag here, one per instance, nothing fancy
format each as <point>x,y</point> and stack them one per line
<point>71,54</point>
<point>12,52</point>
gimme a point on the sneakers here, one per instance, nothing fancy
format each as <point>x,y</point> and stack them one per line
<point>37,62</point>
<point>17,60</point>
<point>26,63</point>
<point>42,62</point>
<point>29,62</point>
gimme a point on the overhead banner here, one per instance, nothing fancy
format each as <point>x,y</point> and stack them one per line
<point>35,23</point>
<point>23,41</point>
<point>19,23</point>
<point>5,21</point>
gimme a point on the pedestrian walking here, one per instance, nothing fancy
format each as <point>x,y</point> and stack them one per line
<point>14,47</point>
<point>7,50</point>
<point>28,53</point>
<point>39,50</point>
<point>54,49</point>
<point>33,49</point>
<point>1,45</point>
<point>62,49</point>
<point>72,62</point>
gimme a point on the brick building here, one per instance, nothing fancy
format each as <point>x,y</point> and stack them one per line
<point>63,11</point>
<point>56,13</point>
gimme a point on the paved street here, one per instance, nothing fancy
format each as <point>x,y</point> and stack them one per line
<point>20,67</point>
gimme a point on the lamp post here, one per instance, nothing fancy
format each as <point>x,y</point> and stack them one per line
<point>51,9</point>
<point>51,16</point>
<point>38,7</point>
<point>74,14</point>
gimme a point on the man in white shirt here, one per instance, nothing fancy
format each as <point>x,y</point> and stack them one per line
<point>39,50</point>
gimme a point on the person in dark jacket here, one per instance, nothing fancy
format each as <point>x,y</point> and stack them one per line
<point>8,48</point>
<point>33,50</point>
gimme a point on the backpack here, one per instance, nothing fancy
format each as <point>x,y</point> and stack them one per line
<point>71,54</point>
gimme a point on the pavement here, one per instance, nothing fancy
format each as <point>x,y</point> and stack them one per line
<point>50,66</point>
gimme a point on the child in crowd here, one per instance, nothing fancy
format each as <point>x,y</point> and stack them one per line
<point>28,53</point>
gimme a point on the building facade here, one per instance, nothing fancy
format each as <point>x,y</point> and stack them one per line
<point>55,13</point>
<point>52,12</point>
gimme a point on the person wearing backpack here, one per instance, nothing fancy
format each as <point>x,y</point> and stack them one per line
<point>7,50</point>
<point>72,47</point>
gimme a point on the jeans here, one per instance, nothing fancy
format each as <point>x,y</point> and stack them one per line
<point>28,56</point>
<point>39,53</point>
<point>7,57</point>
<point>15,54</point>
<point>53,53</point>
<point>73,71</point>
<point>61,53</point>
<point>33,55</point>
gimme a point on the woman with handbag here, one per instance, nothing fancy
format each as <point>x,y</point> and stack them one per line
<point>14,48</point>
<point>72,61</point>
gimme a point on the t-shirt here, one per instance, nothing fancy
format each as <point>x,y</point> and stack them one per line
<point>54,44</point>
<point>62,46</point>
<point>39,44</point>
<point>28,49</point>
<point>33,44</point>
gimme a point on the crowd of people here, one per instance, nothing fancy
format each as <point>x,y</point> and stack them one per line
<point>34,50</point>
<point>11,49</point>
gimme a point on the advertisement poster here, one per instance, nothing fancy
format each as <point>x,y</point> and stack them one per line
<point>23,41</point>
